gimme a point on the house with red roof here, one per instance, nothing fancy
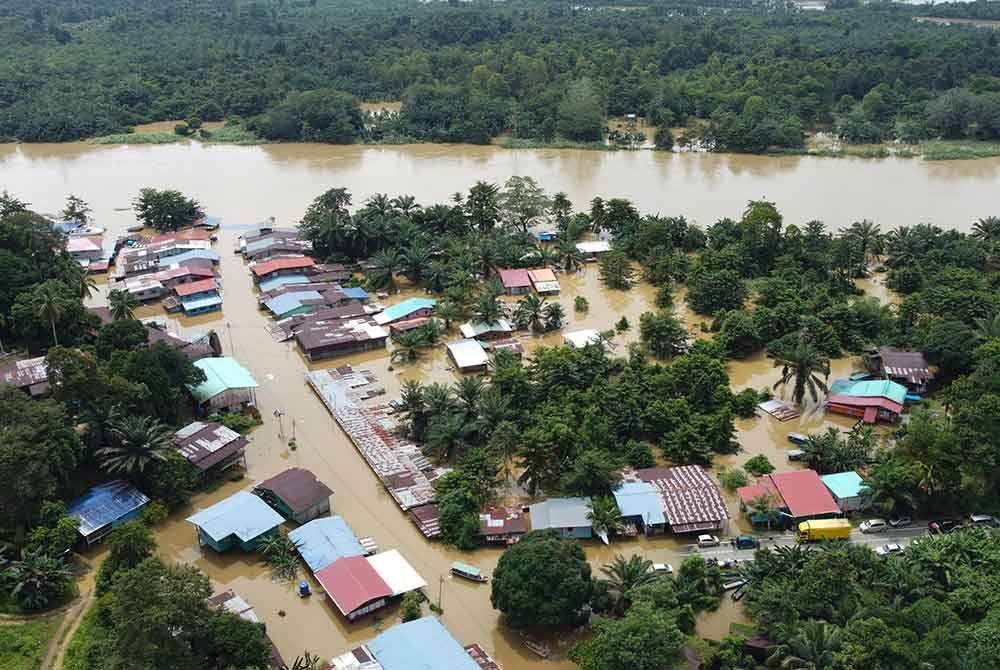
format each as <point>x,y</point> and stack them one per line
<point>795,496</point>
<point>358,585</point>
<point>515,281</point>
<point>276,267</point>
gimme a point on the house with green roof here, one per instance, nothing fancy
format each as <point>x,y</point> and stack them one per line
<point>410,308</point>
<point>848,490</point>
<point>227,386</point>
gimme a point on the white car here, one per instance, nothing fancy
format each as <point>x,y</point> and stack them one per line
<point>889,549</point>
<point>708,541</point>
<point>873,526</point>
<point>665,568</point>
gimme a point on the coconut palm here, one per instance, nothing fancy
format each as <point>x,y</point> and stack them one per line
<point>432,332</point>
<point>801,366</point>
<point>378,205</point>
<point>987,229</point>
<point>36,579</point>
<point>405,204</point>
<point>413,407</point>
<point>604,516</point>
<point>988,329</point>
<point>448,311</point>
<point>408,346</point>
<point>122,304</point>
<point>492,409</point>
<point>554,315</point>
<point>569,256</point>
<point>529,313</point>
<point>137,441</point>
<point>488,308</point>
<point>446,436</point>
<point>867,239</point>
<point>416,260</point>
<point>82,283</point>
<point>624,575</point>
<point>468,391</point>
<point>764,507</point>
<point>813,647</point>
<point>386,264</point>
<point>438,399</point>
<point>50,305</point>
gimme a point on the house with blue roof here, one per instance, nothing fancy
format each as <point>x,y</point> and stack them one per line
<point>640,505</point>
<point>848,490</point>
<point>106,507</point>
<point>422,644</point>
<point>566,515</point>
<point>241,520</point>
<point>355,293</point>
<point>411,308</point>
<point>283,280</point>
<point>293,303</point>
<point>195,254</point>
<point>325,540</point>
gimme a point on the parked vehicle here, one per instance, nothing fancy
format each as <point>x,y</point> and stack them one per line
<point>901,521</point>
<point>889,549</point>
<point>824,529</point>
<point>984,520</point>
<point>465,571</point>
<point>798,438</point>
<point>796,454</point>
<point>665,568</point>
<point>874,526</point>
<point>943,526</point>
<point>745,542</point>
<point>708,541</point>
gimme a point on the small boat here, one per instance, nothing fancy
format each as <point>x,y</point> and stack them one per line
<point>537,649</point>
<point>798,438</point>
<point>465,571</point>
<point>912,397</point>
<point>860,376</point>
<point>735,584</point>
<point>86,231</point>
<point>137,228</point>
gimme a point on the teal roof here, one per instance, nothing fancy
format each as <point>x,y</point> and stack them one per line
<point>406,308</point>
<point>421,644</point>
<point>466,568</point>
<point>221,375</point>
<point>878,388</point>
<point>844,484</point>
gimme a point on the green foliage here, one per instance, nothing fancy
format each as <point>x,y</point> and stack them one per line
<point>663,334</point>
<point>130,544</point>
<point>280,554</point>
<point>616,270</point>
<point>581,112</point>
<point>543,581</point>
<point>733,478</point>
<point>136,443</point>
<point>165,210</point>
<point>242,423</point>
<point>55,532</point>
<point>410,609</point>
<point>323,115</point>
<point>23,645</point>
<point>829,452</point>
<point>462,493</point>
<point>645,639</point>
<point>710,291</point>
<point>36,580</point>
<point>580,304</point>
<point>759,465</point>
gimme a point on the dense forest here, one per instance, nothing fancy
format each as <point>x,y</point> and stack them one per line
<point>744,76</point>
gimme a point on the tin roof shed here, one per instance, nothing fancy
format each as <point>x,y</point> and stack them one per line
<point>325,540</point>
<point>422,644</point>
<point>105,504</point>
<point>298,488</point>
<point>845,484</point>
<point>560,513</point>
<point>221,375</point>
<point>242,514</point>
<point>639,499</point>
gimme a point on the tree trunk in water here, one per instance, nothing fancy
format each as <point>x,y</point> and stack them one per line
<point>55,338</point>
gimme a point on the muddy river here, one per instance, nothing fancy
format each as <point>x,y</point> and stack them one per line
<point>244,185</point>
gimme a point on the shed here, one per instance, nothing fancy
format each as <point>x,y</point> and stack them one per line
<point>227,384</point>
<point>848,490</point>
<point>296,494</point>
<point>421,644</point>
<point>30,375</point>
<point>210,446</point>
<point>410,308</point>
<point>639,503</point>
<point>908,368</point>
<point>594,248</point>
<point>106,507</point>
<point>354,586</point>
<point>515,281</point>
<point>544,280</point>
<point>468,355</point>
<point>397,572</point>
<point>480,330</point>
<point>578,339</point>
<point>241,519</point>
<point>295,302</point>
<point>567,515</point>
<point>323,541</point>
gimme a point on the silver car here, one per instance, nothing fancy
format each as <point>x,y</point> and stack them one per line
<point>889,549</point>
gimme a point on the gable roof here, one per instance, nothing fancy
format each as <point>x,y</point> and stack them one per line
<point>351,582</point>
<point>472,329</point>
<point>325,540</point>
<point>804,493</point>
<point>640,499</point>
<point>909,365</point>
<point>286,302</point>
<point>275,264</point>
<point>515,278</point>
<point>221,375</point>
<point>403,309</point>
<point>845,484</point>
<point>284,280</point>
<point>541,275</point>
<point>242,514</point>
<point>104,504</point>
<point>560,513</point>
<point>876,388</point>
<point>396,572</point>
<point>467,354</point>
<point>298,488</point>
<point>204,443</point>
<point>421,644</point>
<point>690,498</point>
<point>200,286</point>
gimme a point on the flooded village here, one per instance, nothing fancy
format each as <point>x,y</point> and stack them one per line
<point>310,348</point>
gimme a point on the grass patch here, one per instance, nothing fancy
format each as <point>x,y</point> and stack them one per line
<point>949,151</point>
<point>523,143</point>
<point>235,134</point>
<point>23,645</point>
<point>87,644</point>
<point>137,138</point>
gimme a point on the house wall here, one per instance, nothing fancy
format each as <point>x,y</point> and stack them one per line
<point>231,398</point>
<point>251,545</point>
<point>361,611</point>
<point>330,352</point>
<point>101,532</point>
<point>579,532</point>
<point>322,507</point>
<point>518,290</point>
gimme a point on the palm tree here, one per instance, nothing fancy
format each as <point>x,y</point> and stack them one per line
<point>987,230</point>
<point>137,441</point>
<point>543,256</point>
<point>468,391</point>
<point>554,315</point>
<point>492,409</point>
<point>569,256</point>
<point>412,406</point>
<point>624,575</point>
<point>378,205</point>
<point>813,647</point>
<point>529,313</point>
<point>764,507</point>
<point>448,311</point>
<point>36,579</point>
<point>438,399</point>
<point>445,436</point>
<point>416,260</point>
<point>604,516</point>
<point>50,305</point>
<point>800,366</point>
<point>83,283</point>
<point>408,346</point>
<point>488,307</point>
<point>385,265</point>
<point>867,238</point>
<point>307,662</point>
<point>405,204</point>
<point>122,304</point>
<point>988,329</point>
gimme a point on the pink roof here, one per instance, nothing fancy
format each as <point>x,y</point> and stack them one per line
<point>351,583</point>
<point>78,244</point>
<point>182,271</point>
<point>267,267</point>
<point>542,274</point>
<point>515,278</point>
<point>195,287</point>
<point>762,488</point>
<point>860,401</point>
<point>182,236</point>
<point>804,493</point>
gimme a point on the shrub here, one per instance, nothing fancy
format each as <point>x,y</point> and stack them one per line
<point>759,465</point>
<point>580,304</point>
<point>733,478</point>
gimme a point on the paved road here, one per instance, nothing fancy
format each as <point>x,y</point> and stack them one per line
<point>725,552</point>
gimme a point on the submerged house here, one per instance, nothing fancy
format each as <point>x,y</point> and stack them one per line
<point>241,520</point>
<point>908,368</point>
<point>870,401</point>
<point>227,385</point>
<point>566,515</point>
<point>502,525</point>
<point>106,507</point>
<point>578,339</point>
<point>590,250</point>
<point>544,281</point>
<point>640,507</point>
<point>277,267</point>
<point>296,494</point>
<point>321,338</point>
<point>199,297</point>
<point>411,308</point>
<point>30,375</point>
<point>515,281</point>
<point>358,585</point>
<point>421,644</point>
<point>468,355</point>
<point>325,540</point>
<point>690,500</point>
<point>210,447</point>
<point>480,330</point>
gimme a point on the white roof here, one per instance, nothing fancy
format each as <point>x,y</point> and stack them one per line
<point>547,286</point>
<point>593,247</point>
<point>396,572</point>
<point>578,339</point>
<point>142,284</point>
<point>467,354</point>
<point>472,329</point>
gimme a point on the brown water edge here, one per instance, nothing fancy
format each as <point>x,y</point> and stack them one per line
<point>311,624</point>
<point>247,184</point>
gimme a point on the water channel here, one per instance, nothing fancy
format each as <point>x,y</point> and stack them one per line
<point>244,185</point>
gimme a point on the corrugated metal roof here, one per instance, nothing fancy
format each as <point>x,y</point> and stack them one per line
<point>467,354</point>
<point>351,582</point>
<point>286,302</point>
<point>878,388</point>
<point>844,484</point>
<point>194,254</point>
<point>691,500</point>
<point>560,513</point>
<point>104,504</point>
<point>267,267</point>
<point>403,309</point>
<point>284,280</point>
<point>422,644</point>
<point>323,541</point>
<point>397,572</point>
<point>192,304</point>
<point>578,339</point>
<point>515,278</point>
<point>298,488</point>
<point>242,514</point>
<point>640,499</point>
<point>804,493</point>
<point>354,292</point>
<point>472,329</point>
<point>204,443</point>
<point>221,374</point>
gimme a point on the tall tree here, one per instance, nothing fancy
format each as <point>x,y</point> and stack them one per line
<point>801,367</point>
<point>482,206</point>
<point>137,441</point>
<point>122,304</point>
<point>76,209</point>
<point>166,210</point>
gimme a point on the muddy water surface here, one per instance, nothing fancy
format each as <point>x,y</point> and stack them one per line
<point>244,185</point>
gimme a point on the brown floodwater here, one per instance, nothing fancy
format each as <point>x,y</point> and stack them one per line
<point>244,185</point>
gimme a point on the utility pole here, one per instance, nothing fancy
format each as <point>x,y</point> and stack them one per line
<point>232,348</point>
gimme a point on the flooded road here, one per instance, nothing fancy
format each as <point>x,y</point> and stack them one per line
<point>243,185</point>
